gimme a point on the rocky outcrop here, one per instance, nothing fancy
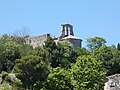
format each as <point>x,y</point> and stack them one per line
<point>113,82</point>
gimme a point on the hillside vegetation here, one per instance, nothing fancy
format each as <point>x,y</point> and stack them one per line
<point>56,66</point>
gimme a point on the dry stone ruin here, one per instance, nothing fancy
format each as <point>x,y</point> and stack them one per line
<point>37,40</point>
<point>66,34</point>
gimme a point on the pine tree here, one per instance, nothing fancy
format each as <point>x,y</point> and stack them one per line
<point>118,46</point>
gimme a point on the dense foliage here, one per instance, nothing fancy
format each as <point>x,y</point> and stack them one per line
<point>56,66</point>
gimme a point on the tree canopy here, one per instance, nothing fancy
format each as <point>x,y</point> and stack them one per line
<point>95,42</point>
<point>56,66</point>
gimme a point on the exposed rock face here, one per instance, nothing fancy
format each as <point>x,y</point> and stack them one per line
<point>113,82</point>
<point>12,76</point>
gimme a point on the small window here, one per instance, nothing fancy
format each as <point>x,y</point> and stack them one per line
<point>29,41</point>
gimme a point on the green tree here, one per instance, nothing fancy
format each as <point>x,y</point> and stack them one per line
<point>58,79</point>
<point>95,42</point>
<point>60,54</point>
<point>118,46</point>
<point>81,51</point>
<point>18,39</point>
<point>8,55</point>
<point>110,57</point>
<point>87,74</point>
<point>24,49</point>
<point>66,54</point>
<point>5,38</point>
<point>10,82</point>
<point>31,70</point>
<point>57,54</point>
<point>50,49</point>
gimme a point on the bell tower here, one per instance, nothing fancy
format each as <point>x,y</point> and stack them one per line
<point>66,30</point>
<point>68,34</point>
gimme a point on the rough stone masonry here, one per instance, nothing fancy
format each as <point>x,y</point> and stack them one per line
<point>66,34</point>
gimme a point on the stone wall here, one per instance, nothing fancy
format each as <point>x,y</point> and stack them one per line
<point>75,42</point>
<point>113,82</point>
<point>36,41</point>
